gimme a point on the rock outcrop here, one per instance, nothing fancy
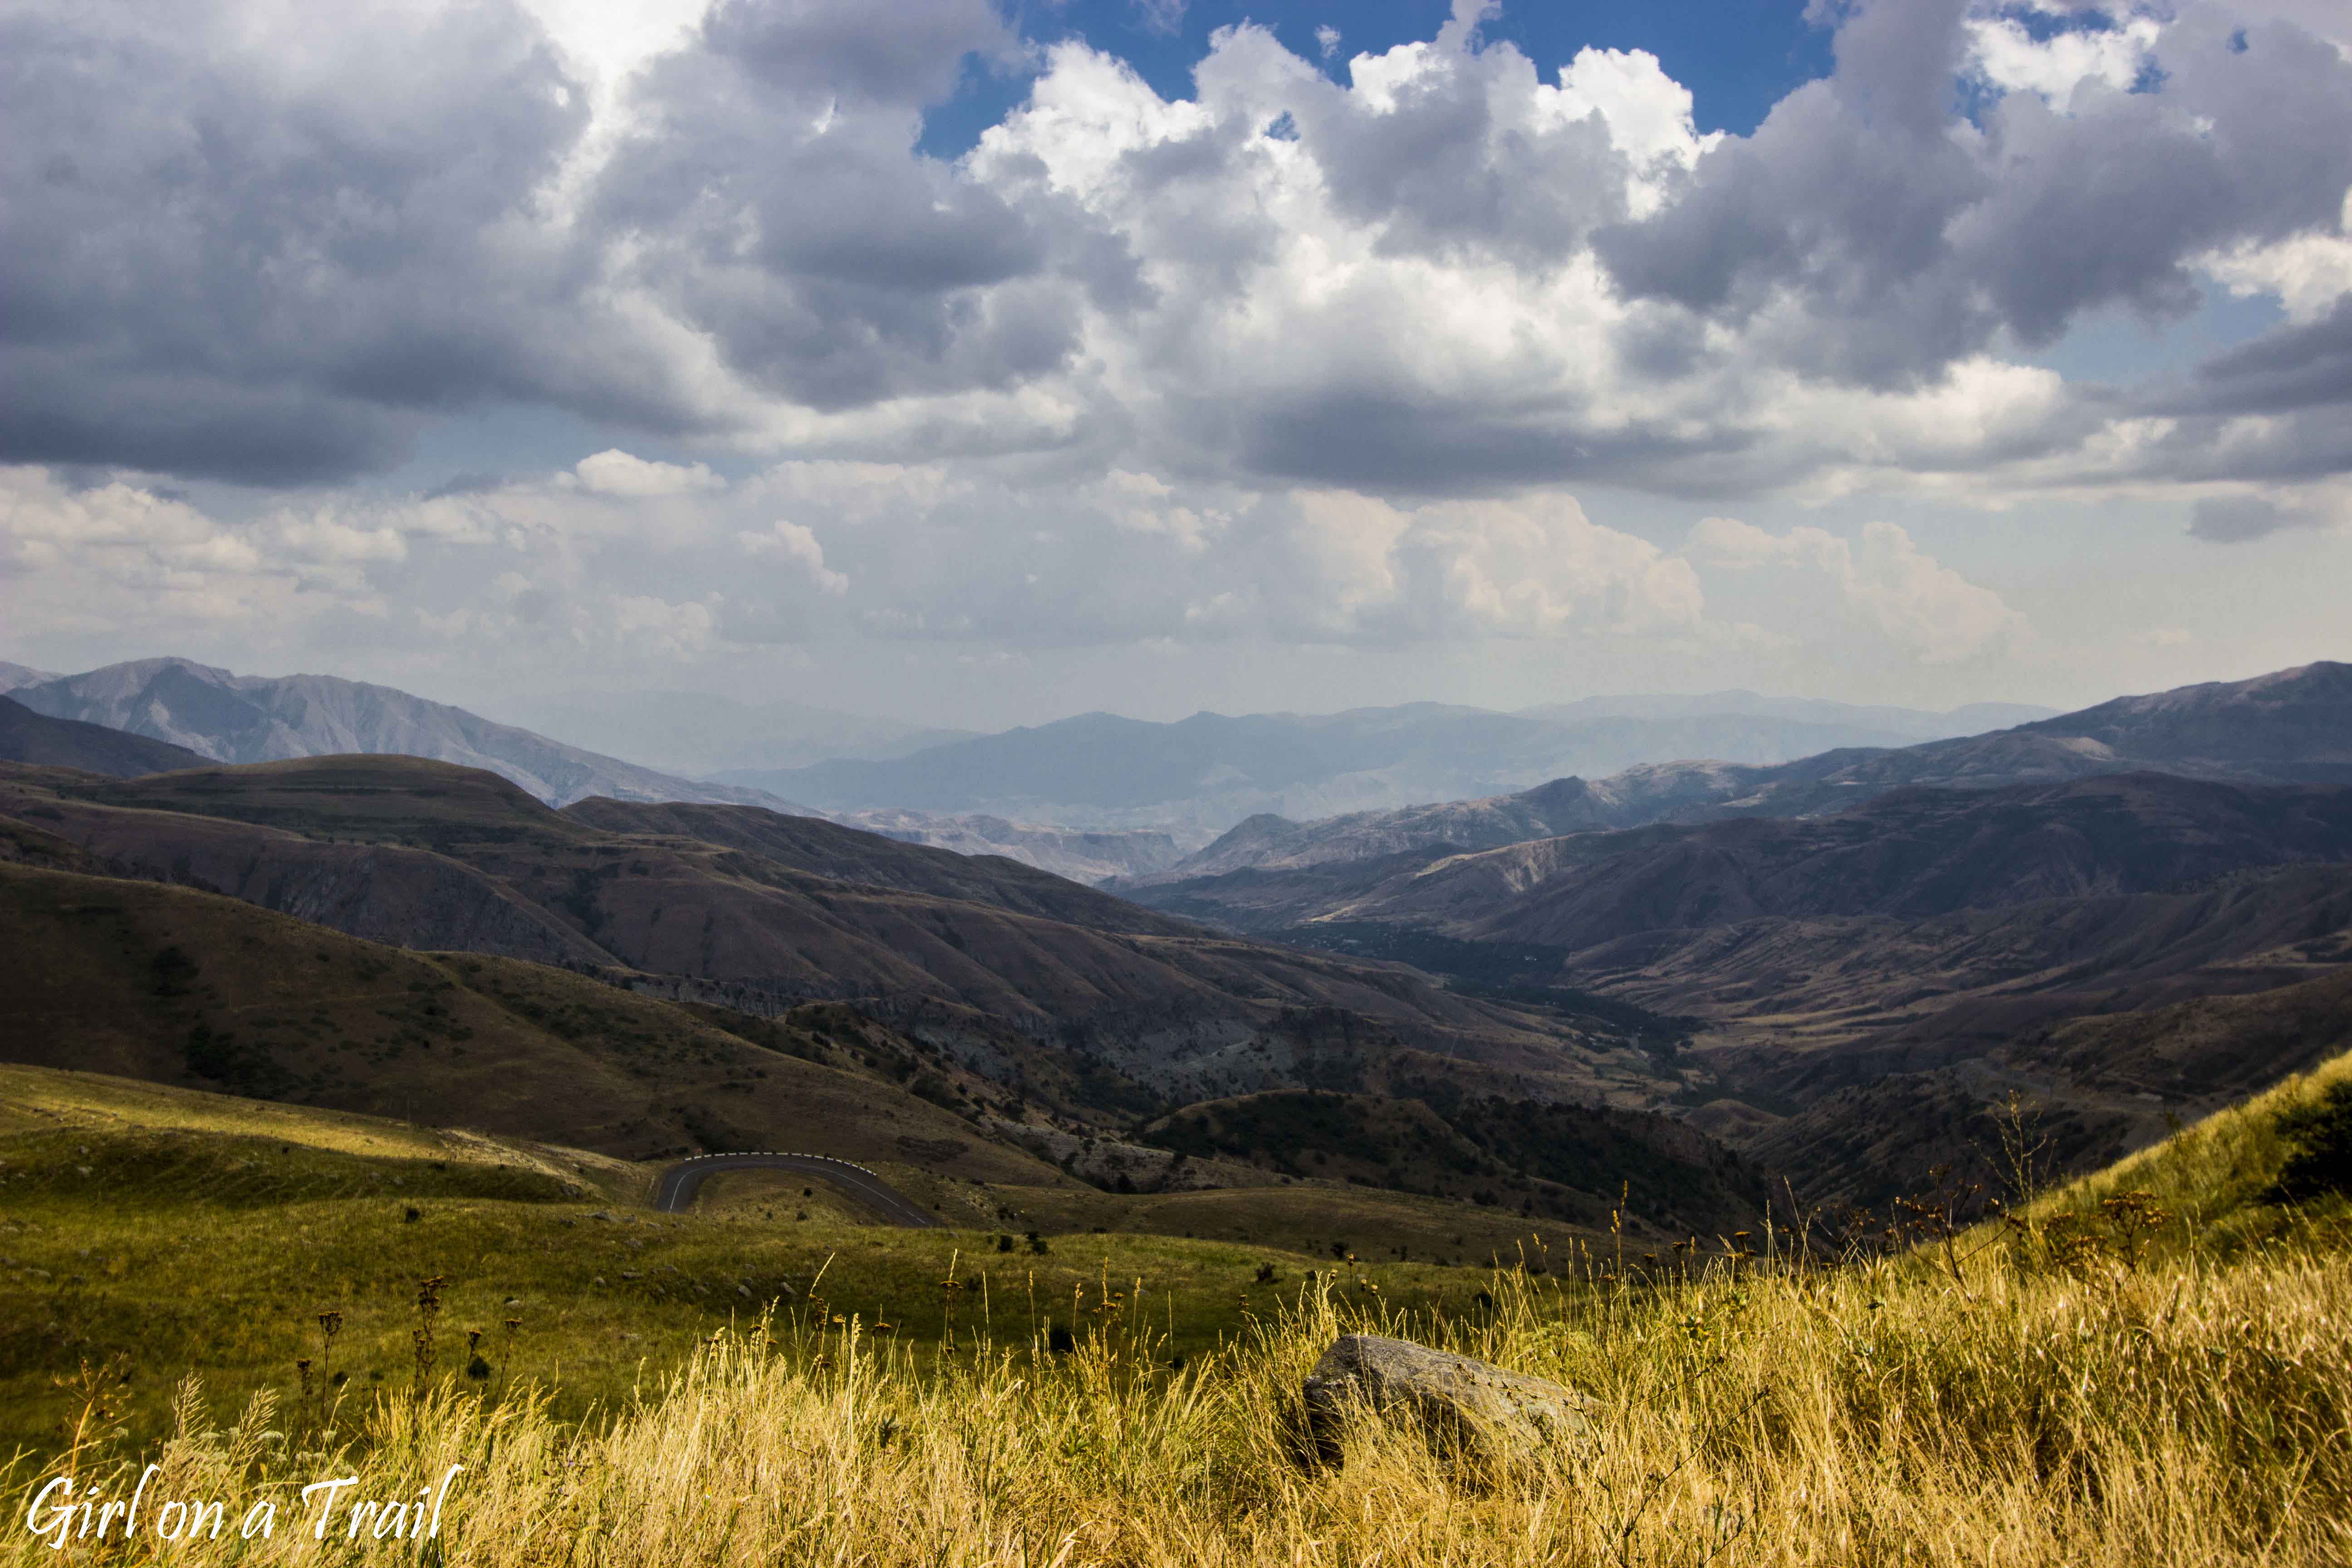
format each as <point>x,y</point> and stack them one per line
<point>1465,1408</point>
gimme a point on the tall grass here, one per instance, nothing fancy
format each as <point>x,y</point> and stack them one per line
<point>2001,1401</point>
<point>2195,1413</point>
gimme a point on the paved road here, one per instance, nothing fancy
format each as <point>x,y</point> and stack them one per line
<point>676,1191</point>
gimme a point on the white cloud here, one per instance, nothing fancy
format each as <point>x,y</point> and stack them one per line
<point>2011,59</point>
<point>794,543</point>
<point>664,629</point>
<point>1917,602</point>
<point>614,472</point>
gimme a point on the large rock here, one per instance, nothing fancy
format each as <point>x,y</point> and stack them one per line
<point>1463,1406</point>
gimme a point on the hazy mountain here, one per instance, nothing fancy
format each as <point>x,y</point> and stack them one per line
<point>699,735</point>
<point>230,717</point>
<point>222,716</point>
<point>29,737</point>
<point>1884,724</point>
<point>13,675</point>
<point>1200,776</point>
<point>1076,853</point>
<point>2292,726</point>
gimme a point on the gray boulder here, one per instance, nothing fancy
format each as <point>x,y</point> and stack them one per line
<point>1464,1407</point>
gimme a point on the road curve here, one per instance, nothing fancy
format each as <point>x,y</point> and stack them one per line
<point>675,1193</point>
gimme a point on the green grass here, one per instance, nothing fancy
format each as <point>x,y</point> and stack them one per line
<point>2178,1391</point>
<point>178,1232</point>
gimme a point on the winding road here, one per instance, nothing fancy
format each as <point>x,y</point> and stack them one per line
<point>675,1193</point>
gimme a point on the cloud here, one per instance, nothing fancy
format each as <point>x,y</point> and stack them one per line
<point>1165,17</point>
<point>2241,518</point>
<point>614,472</point>
<point>664,630</point>
<point>795,544</point>
<point>1325,353</point>
<point>1917,602</point>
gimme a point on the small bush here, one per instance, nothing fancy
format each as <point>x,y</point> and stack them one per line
<point>2320,1133</point>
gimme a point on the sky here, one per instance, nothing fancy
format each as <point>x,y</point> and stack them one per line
<point>977,364</point>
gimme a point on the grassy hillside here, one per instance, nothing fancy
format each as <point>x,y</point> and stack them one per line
<point>2163,1379</point>
<point>163,1232</point>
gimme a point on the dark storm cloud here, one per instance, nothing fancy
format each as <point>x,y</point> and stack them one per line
<point>2232,519</point>
<point>270,254</point>
<point>907,53</point>
<point>2287,368</point>
<point>263,263</point>
<point>269,257</point>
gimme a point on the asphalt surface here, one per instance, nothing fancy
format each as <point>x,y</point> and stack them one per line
<point>675,1193</point>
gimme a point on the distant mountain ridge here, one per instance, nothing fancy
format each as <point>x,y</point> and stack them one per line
<point>228,718</point>
<point>2292,726</point>
<point>213,715</point>
<point>1199,776</point>
<point>699,735</point>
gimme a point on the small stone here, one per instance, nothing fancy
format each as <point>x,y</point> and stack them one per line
<point>1459,1404</point>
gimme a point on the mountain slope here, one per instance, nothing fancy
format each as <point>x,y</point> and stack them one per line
<point>36,738</point>
<point>1201,774</point>
<point>465,860</point>
<point>2290,727</point>
<point>179,987</point>
<point>2090,1091</point>
<point>850,854</point>
<point>697,734</point>
<point>230,717</point>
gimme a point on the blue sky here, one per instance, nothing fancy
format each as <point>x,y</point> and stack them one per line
<point>1738,58</point>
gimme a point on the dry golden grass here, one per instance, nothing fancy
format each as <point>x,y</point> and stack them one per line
<point>2194,1415</point>
<point>2185,1401</point>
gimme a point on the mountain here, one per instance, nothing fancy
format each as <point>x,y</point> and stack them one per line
<point>697,734</point>
<point>422,854</point>
<point>1076,853</point>
<point>2294,726</point>
<point>13,675</point>
<point>1911,854</point>
<point>230,717</point>
<point>1884,725</point>
<point>2088,1091</point>
<point>1840,979</point>
<point>174,985</point>
<point>29,737</point>
<point>1200,776</point>
<point>849,855</point>
<point>624,976</point>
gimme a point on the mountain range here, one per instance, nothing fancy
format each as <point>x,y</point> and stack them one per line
<point>1825,968</point>
<point>2292,726</point>
<point>209,714</point>
<point>1199,776</point>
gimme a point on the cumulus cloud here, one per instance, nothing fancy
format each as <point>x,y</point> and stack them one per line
<point>614,472</point>
<point>1916,601</point>
<point>1325,352</point>
<point>794,543</point>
